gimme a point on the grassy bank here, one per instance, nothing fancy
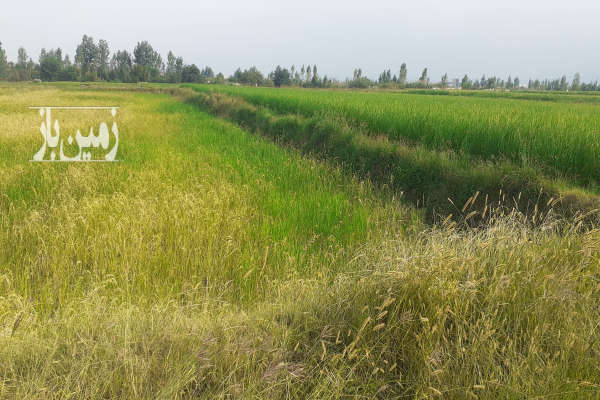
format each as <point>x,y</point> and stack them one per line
<point>561,139</point>
<point>441,182</point>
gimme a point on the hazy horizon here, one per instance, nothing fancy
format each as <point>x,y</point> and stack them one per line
<point>537,39</point>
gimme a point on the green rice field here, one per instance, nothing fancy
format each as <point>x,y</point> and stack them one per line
<point>262,243</point>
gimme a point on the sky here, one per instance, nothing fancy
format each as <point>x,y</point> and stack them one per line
<point>524,38</point>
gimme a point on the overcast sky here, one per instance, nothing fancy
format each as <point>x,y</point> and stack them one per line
<point>525,38</point>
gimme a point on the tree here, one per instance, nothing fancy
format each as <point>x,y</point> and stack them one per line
<point>563,84</point>
<point>23,70</point>
<point>121,66</point>
<point>102,59</point>
<point>424,80</point>
<point>466,83</point>
<point>308,74</point>
<point>250,76</point>
<point>315,82</point>
<point>22,57</point>
<point>85,56</point>
<point>576,85</point>
<point>147,62</point>
<point>190,73</point>
<point>359,81</point>
<point>50,65</point>
<point>3,63</point>
<point>385,77</point>
<point>237,76</point>
<point>281,76</point>
<point>174,68</point>
<point>207,74</point>
<point>445,80</point>
<point>403,72</point>
<point>179,69</point>
<point>516,83</point>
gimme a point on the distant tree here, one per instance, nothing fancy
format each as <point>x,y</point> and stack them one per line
<point>563,84</point>
<point>253,76</point>
<point>403,72</point>
<point>509,83</point>
<point>516,83</point>
<point>315,81</point>
<point>102,59</point>
<point>237,76</point>
<point>207,74</point>
<point>170,72</point>
<point>50,65</point>
<point>576,85</point>
<point>385,77</point>
<point>466,83</point>
<point>22,57</point>
<point>445,80</point>
<point>86,56</point>
<point>359,81</point>
<point>281,76</point>
<point>191,74</point>
<point>147,62</point>
<point>174,68</point>
<point>121,66</point>
<point>179,69</point>
<point>308,74</point>
<point>483,82</point>
<point>22,68</point>
<point>220,79</point>
<point>69,72</point>
<point>424,80</point>
<point>3,63</point>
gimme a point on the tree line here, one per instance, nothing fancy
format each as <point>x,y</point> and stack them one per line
<point>93,61</point>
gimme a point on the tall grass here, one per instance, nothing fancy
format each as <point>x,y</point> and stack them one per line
<point>211,263</point>
<point>434,180</point>
<point>193,200</point>
<point>559,97</point>
<point>508,312</point>
<point>563,138</point>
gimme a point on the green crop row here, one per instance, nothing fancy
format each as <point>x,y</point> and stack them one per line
<point>561,138</point>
